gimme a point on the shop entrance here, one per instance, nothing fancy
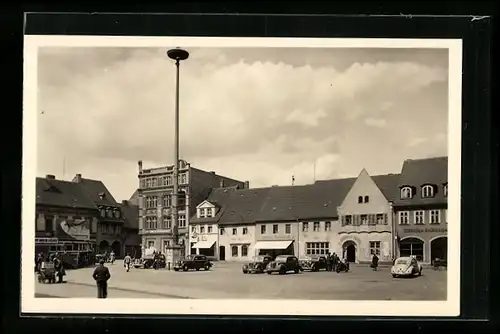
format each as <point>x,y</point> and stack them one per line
<point>349,251</point>
<point>412,247</point>
<point>439,248</point>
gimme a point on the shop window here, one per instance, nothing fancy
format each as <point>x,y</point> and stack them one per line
<point>234,251</point>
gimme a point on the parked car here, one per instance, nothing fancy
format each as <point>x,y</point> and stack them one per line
<point>406,266</point>
<point>283,264</point>
<point>196,262</point>
<point>257,265</point>
<point>313,263</point>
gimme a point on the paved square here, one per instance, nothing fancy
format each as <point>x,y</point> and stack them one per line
<point>226,280</point>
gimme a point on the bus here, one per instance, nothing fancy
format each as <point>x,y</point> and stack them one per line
<point>74,254</point>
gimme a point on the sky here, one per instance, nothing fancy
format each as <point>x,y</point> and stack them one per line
<point>256,114</point>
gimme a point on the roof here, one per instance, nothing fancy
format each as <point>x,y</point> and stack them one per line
<point>418,172</point>
<point>388,184</point>
<point>60,193</point>
<point>131,214</point>
<point>93,188</point>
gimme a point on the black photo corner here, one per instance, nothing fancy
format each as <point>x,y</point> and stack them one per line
<point>479,179</point>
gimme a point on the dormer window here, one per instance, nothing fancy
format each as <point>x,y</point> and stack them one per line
<point>117,214</point>
<point>102,196</point>
<point>210,213</point>
<point>427,191</point>
<point>406,192</point>
<point>202,213</point>
<point>445,190</point>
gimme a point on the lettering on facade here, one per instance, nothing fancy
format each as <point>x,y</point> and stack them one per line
<point>426,230</point>
<point>46,240</point>
<point>202,238</point>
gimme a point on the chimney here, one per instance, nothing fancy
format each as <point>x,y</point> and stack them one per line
<point>78,178</point>
<point>212,172</point>
<point>221,183</point>
<point>125,202</point>
<point>102,196</point>
<point>247,185</point>
<point>139,163</point>
<point>50,177</point>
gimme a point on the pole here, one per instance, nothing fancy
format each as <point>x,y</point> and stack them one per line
<point>175,215</point>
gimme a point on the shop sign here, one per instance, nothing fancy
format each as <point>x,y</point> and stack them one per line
<point>46,240</point>
<point>426,230</point>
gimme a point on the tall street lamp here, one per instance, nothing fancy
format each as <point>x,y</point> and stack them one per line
<point>177,55</point>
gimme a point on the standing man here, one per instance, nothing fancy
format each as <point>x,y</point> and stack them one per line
<point>127,261</point>
<point>101,276</point>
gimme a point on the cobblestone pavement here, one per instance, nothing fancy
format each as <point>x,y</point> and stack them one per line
<point>225,280</point>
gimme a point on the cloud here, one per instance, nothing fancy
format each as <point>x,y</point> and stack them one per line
<point>258,116</point>
<point>375,122</point>
<point>417,141</point>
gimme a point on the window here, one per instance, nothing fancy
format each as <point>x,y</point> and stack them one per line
<point>275,229</point>
<point>419,217</point>
<point>183,179</point>
<point>403,217</point>
<point>446,216</point>
<point>245,230</point>
<point>167,201</point>
<point>445,190</point>
<point>367,199</point>
<point>202,213</point>
<point>317,248</point>
<point>210,212</point>
<point>109,213</point>
<point>202,229</point>
<point>154,182</point>
<point>49,224</point>
<point>328,226</point>
<point>380,218</point>
<point>151,243</point>
<point>375,247</point>
<point>151,223</point>
<point>164,180</point>
<point>406,193</point>
<point>154,201</point>
<point>221,231</point>
<point>182,221</point>
<point>360,199</point>
<point>234,251</point>
<point>169,180</point>
<point>181,200</point>
<point>40,224</point>
<point>244,250</point>
<point>209,229</point>
<point>364,219</point>
<point>103,212</point>
<point>346,220</point>
<point>167,223</point>
<point>427,191</point>
<point>262,229</point>
<point>94,226</point>
<point>288,229</point>
<point>193,229</point>
<point>235,231</point>
<point>435,217</point>
<point>305,227</point>
<point>316,226</point>
<point>148,183</point>
<point>142,184</point>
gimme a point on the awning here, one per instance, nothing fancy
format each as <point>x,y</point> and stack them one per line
<point>273,244</point>
<point>203,244</point>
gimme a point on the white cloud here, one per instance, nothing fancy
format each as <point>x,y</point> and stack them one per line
<point>258,121</point>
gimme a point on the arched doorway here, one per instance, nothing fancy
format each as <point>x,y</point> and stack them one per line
<point>439,248</point>
<point>116,246</point>
<point>412,246</point>
<point>222,253</point>
<point>103,246</point>
<point>349,251</point>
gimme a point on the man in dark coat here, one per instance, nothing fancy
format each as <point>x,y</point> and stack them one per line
<point>374,261</point>
<point>59,267</point>
<point>329,262</point>
<point>101,276</point>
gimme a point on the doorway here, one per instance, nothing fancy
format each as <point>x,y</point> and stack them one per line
<point>222,253</point>
<point>349,251</point>
<point>439,248</point>
<point>412,247</point>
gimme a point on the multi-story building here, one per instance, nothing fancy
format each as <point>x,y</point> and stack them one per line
<point>155,204</point>
<point>131,240</point>
<point>421,209</point>
<point>110,232</point>
<point>365,214</point>
<point>66,218</point>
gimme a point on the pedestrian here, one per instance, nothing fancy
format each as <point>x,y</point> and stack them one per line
<point>112,257</point>
<point>126,262</point>
<point>101,276</point>
<point>59,267</point>
<point>328,262</point>
<point>374,264</point>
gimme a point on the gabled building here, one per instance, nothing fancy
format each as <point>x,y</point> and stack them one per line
<point>111,220</point>
<point>66,217</point>
<point>130,238</point>
<point>155,202</point>
<point>366,219</point>
<point>421,209</point>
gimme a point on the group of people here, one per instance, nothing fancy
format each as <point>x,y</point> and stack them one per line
<point>333,261</point>
<point>55,259</point>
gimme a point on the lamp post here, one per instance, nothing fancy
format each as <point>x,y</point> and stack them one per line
<point>177,55</point>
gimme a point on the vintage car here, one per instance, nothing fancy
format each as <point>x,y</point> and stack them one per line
<point>283,264</point>
<point>196,262</point>
<point>313,263</point>
<point>257,265</point>
<point>406,266</point>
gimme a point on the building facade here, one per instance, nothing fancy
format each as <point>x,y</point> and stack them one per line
<point>155,202</point>
<point>110,233</point>
<point>420,209</point>
<point>66,220</point>
<point>130,238</point>
<point>366,219</point>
